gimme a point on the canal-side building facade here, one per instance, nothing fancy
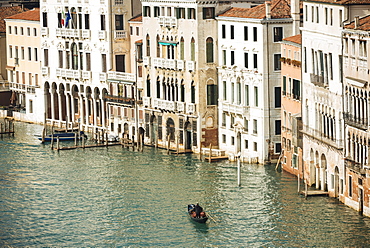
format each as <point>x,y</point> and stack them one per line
<point>23,65</point>
<point>180,73</point>
<point>87,48</point>
<point>356,47</point>
<point>249,53</point>
<point>322,105</point>
<point>291,120</point>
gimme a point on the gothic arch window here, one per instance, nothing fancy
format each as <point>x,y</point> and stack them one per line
<point>192,49</point>
<point>74,56</point>
<point>147,45</point>
<point>148,87</point>
<point>209,50</point>
<point>182,51</point>
<point>158,48</point>
<point>73,20</point>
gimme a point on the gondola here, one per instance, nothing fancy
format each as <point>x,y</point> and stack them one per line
<point>203,216</point>
<point>64,135</point>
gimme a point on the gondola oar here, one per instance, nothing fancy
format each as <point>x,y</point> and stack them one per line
<point>211,217</point>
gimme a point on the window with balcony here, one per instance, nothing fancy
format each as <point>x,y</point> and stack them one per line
<point>102,22</point>
<point>104,63</point>
<point>238,91</point>
<point>88,61</point>
<point>120,63</point>
<point>60,59</point>
<point>119,22</point>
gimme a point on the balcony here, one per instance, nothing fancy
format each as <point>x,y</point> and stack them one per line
<point>235,108</point>
<point>86,75</point>
<point>23,87</point>
<point>317,80</point>
<point>102,77</point>
<point>66,73</point>
<point>102,35</point>
<point>354,121</point>
<point>45,71</point>
<point>120,99</point>
<point>164,63</point>
<point>44,31</point>
<point>167,21</point>
<point>181,107</point>
<point>120,34</point>
<point>68,33</point>
<point>146,60</point>
<point>190,108</point>
<point>321,137</point>
<point>180,64</point>
<point>355,166</point>
<point>86,34</point>
<point>147,101</point>
<point>190,65</point>
<point>121,76</point>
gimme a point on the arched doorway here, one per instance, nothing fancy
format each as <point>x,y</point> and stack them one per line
<point>153,129</point>
<point>170,126</point>
<point>323,173</point>
<point>47,100</point>
<point>336,181</point>
<point>312,168</point>
<point>317,167</point>
<point>188,134</point>
<point>238,142</point>
<point>63,102</point>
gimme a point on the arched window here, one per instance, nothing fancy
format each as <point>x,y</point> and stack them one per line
<point>192,92</point>
<point>73,18</point>
<point>182,91</point>
<point>209,50</point>
<point>158,88</point>
<point>147,45</point>
<point>74,56</point>
<point>148,87</point>
<point>182,51</point>
<point>158,48</point>
<point>192,49</point>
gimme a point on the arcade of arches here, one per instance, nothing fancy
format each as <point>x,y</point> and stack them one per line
<point>70,103</point>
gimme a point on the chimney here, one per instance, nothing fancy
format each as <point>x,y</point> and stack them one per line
<point>268,9</point>
<point>357,20</point>
<point>295,13</point>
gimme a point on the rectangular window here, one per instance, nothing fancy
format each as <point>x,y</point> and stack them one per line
<point>232,140</point>
<point>296,89</point>
<point>350,186</point>
<point>255,146</point>
<point>119,22</point>
<point>254,33</point>
<point>277,127</point>
<point>223,31</point>
<point>278,34</point>
<point>212,94</point>
<point>245,33</point>
<point>22,33</point>
<point>88,62</point>
<point>104,63</point>
<point>232,32</point>
<point>312,14</point>
<point>146,11</point>
<point>10,29</point>
<point>36,55</point>
<point>224,138</point>
<point>255,62</point>
<point>208,13</point>
<point>30,78</point>
<point>317,15</point>
<point>284,85</point>
<point>191,13</point>
<point>246,60</point>
<point>102,22</point>
<point>246,125</point>
<point>35,32</point>
<point>246,144</point>
<point>232,57</point>
<point>10,52</point>
<point>246,95</point>
<point>120,63</point>
<point>223,123</point>
<point>44,19</point>
<point>223,57</point>
<point>30,106</point>
<point>60,53</point>
<point>224,90</point>
<point>22,53</point>
<point>277,147</point>
<point>255,126</point>
<point>46,57</point>
<point>180,13</point>
<point>331,17</point>
<point>277,62</point>
<point>87,21</point>
<point>29,54</point>
<point>277,97</point>
<point>305,59</point>
<point>326,16</point>
<point>256,96</point>
<point>156,11</point>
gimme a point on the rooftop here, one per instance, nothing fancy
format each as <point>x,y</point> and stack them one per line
<point>138,18</point>
<point>6,12</point>
<point>31,15</point>
<point>363,24</point>
<point>340,2</point>
<point>295,39</point>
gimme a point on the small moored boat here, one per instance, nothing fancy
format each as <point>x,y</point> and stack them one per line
<point>64,135</point>
<point>193,210</point>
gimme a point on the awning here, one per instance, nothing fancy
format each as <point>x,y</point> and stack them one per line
<point>167,43</point>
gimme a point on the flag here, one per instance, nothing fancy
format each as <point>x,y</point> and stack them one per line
<point>62,19</point>
<point>68,17</point>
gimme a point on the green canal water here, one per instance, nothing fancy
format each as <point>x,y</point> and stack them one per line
<point>113,197</point>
